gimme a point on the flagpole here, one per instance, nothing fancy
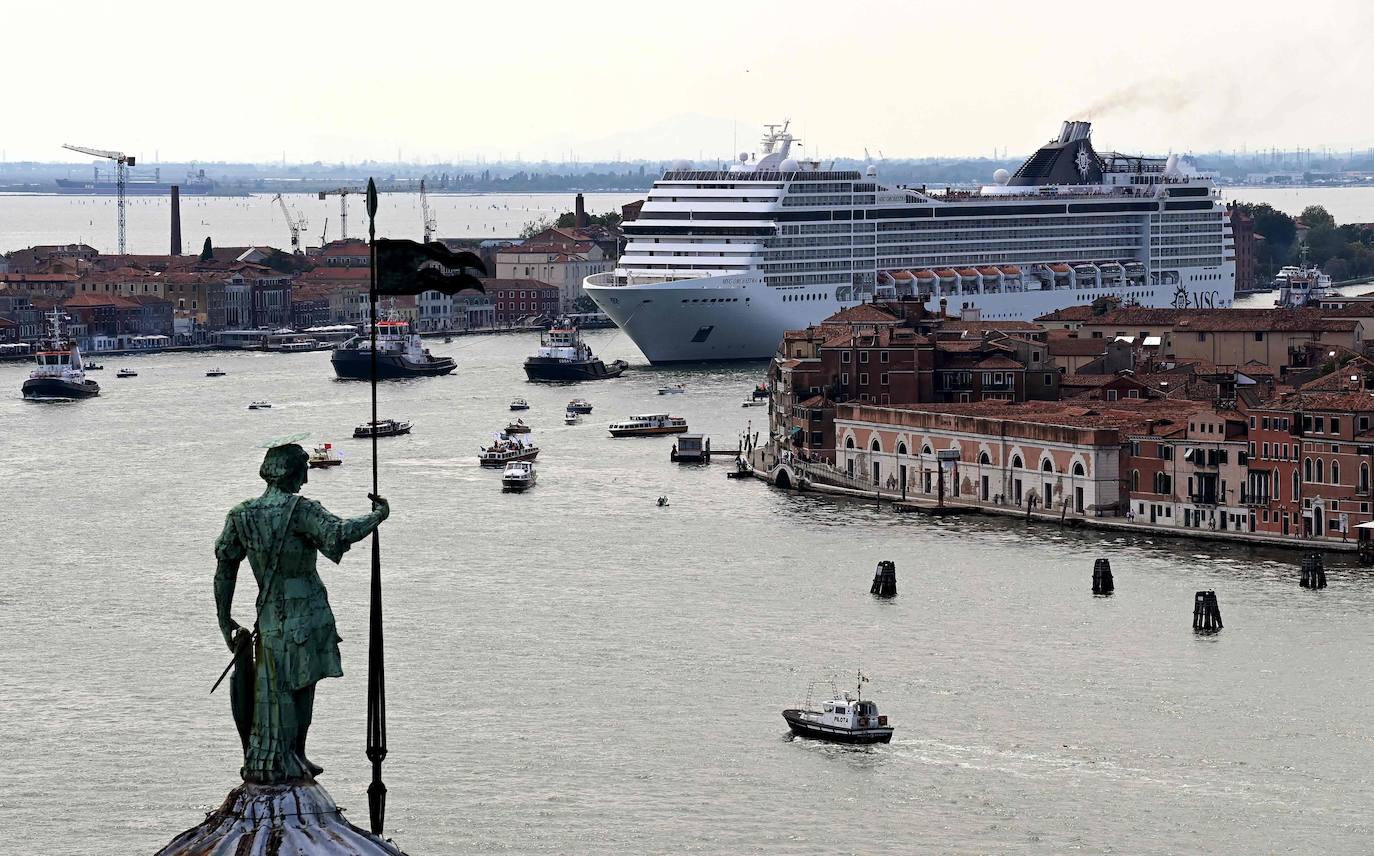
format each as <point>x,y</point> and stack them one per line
<point>376,676</point>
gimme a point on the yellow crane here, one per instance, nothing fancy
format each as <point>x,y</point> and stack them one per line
<point>122,164</point>
<point>342,193</point>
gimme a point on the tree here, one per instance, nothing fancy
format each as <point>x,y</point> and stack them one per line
<point>1316,216</point>
<point>207,252</point>
<point>534,227</point>
<point>585,304</point>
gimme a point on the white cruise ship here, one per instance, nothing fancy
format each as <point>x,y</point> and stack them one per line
<point>721,262</point>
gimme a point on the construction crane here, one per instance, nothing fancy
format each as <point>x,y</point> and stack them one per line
<point>430,223</point>
<point>296,225</point>
<point>122,164</point>
<point>342,193</point>
<point>324,232</point>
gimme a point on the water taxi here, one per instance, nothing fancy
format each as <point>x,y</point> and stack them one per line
<point>382,428</point>
<point>580,405</point>
<point>519,404</point>
<point>518,475</point>
<point>674,389</point>
<point>126,373</point>
<point>571,417</point>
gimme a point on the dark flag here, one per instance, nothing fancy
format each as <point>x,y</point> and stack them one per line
<point>403,268</point>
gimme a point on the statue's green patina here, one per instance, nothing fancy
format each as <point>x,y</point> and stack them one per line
<point>294,642</point>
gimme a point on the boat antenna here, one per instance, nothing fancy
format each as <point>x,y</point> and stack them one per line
<point>862,681</point>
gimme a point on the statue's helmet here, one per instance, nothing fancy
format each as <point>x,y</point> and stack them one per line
<point>283,462</point>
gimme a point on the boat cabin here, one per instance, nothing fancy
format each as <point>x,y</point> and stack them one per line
<point>848,713</point>
<point>691,448</point>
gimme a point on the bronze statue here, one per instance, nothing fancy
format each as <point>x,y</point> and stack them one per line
<point>293,642</point>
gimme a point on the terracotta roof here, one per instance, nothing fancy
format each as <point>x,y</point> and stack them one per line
<point>1005,326</point>
<point>997,361</point>
<point>1080,312</point>
<point>1063,346</point>
<point>492,284</point>
<point>1129,416</point>
<point>816,401</point>
<point>351,275</point>
<point>864,313</point>
<point>1216,320</point>
<point>92,300</point>
<point>37,277</point>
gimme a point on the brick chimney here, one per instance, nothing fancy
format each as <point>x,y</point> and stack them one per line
<point>580,212</point>
<point>176,220</point>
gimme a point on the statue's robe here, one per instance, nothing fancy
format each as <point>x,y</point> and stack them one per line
<point>279,534</point>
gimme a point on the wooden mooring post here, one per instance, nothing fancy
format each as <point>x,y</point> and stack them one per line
<point>1102,578</point>
<point>1313,574</point>
<point>885,580</point>
<point>1206,612</point>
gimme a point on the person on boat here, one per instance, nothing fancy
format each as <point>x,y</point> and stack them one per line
<point>294,642</point>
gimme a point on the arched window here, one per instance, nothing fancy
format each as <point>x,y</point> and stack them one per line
<point>1294,496</point>
<point>984,460</point>
<point>849,442</point>
<point>1319,470</point>
<point>1047,466</point>
<point>901,448</point>
<point>1278,485</point>
<point>1135,480</point>
<point>1016,462</point>
<point>1307,469</point>
<point>925,450</point>
<point>1335,472</point>
<point>1078,468</point>
<point>875,445</point>
<point>1364,478</point>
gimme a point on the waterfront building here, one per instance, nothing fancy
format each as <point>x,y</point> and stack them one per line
<point>562,263</point>
<point>52,258</point>
<point>1243,237</point>
<point>310,307</point>
<point>346,253</point>
<point>517,300</point>
<point>1191,474</point>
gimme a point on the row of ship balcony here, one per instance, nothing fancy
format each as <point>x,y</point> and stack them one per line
<point>988,279</point>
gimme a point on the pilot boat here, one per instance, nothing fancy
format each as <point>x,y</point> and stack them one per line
<point>324,456</point>
<point>382,428</point>
<point>60,375</point>
<point>507,449</point>
<point>649,425</point>
<point>518,475</point>
<point>842,719</point>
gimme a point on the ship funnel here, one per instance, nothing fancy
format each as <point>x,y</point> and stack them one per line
<point>1081,130</point>
<point>1064,131</point>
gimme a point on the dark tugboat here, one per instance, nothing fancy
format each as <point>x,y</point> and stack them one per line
<point>563,356</point>
<point>60,375</point>
<point>399,355</point>
<point>842,719</point>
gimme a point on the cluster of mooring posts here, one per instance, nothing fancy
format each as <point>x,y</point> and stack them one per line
<point>1313,572</point>
<point>885,580</point>
<point>1102,578</point>
<point>1206,612</point>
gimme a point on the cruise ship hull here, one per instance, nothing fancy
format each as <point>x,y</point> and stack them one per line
<point>739,318</point>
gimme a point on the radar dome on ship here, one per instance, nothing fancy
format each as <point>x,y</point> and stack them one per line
<point>789,165</point>
<point>1001,176</point>
<point>871,171</point>
<point>743,157</point>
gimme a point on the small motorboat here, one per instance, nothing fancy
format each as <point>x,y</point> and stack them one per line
<point>93,367</point>
<point>448,340</point>
<point>755,402</point>
<point>325,456</point>
<point>842,719</point>
<point>675,389</point>
<point>382,428</point>
<point>126,373</point>
<point>518,427</point>
<point>519,404</point>
<point>572,417</point>
<point>215,372</point>
<point>260,405</point>
<point>580,405</point>
<point>518,475</point>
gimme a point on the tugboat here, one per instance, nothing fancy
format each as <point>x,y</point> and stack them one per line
<point>518,475</point>
<point>400,354</point>
<point>126,373</point>
<point>505,450</point>
<point>517,427</point>
<point>519,404</point>
<point>381,428</point>
<point>324,456</point>
<point>580,405</point>
<point>1303,285</point>
<point>842,719</point>
<point>563,356</point>
<point>60,375</point>
<point>649,425</point>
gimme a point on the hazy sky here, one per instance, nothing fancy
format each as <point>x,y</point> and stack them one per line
<point>547,80</point>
